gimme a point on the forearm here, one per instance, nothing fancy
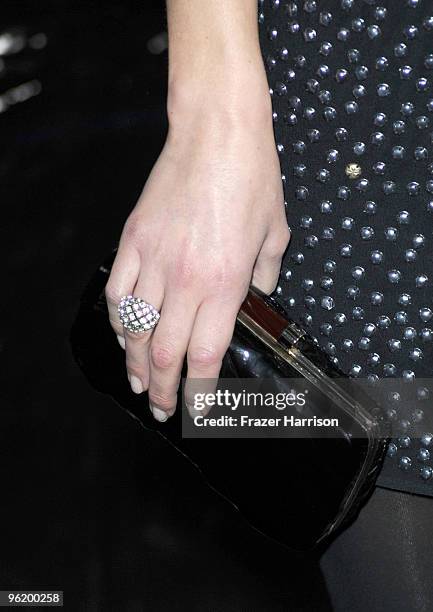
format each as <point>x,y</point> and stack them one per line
<point>215,62</point>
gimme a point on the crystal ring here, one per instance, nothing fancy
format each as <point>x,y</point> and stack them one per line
<point>137,315</point>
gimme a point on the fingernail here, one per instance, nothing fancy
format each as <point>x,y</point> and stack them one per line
<point>136,385</point>
<point>121,341</point>
<point>159,415</point>
<point>193,412</point>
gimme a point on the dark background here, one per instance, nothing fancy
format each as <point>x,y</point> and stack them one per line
<point>92,504</point>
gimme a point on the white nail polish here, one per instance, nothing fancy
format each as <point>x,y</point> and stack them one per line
<point>159,415</point>
<point>193,412</point>
<point>121,341</point>
<point>136,385</point>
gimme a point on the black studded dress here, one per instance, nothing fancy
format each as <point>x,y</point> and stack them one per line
<point>352,92</point>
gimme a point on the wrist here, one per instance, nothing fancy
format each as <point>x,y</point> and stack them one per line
<point>230,100</point>
<point>216,73</point>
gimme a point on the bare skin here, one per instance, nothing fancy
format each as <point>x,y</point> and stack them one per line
<point>211,218</point>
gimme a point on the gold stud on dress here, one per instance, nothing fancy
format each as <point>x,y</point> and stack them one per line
<point>353,170</point>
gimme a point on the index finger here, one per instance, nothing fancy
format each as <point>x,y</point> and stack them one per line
<point>123,278</point>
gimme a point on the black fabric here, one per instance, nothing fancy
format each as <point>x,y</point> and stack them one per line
<point>383,561</point>
<point>336,304</point>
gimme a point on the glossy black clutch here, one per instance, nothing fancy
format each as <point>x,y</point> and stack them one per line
<point>300,491</point>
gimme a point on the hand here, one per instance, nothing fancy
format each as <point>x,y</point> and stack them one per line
<point>210,221</point>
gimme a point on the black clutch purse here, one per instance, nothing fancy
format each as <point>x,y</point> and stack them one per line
<point>300,491</point>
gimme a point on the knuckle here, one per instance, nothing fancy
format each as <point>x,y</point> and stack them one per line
<point>163,356</point>
<point>219,273</point>
<point>227,275</point>
<point>201,357</point>
<point>134,368</point>
<point>185,272</point>
<point>278,246</point>
<point>161,399</point>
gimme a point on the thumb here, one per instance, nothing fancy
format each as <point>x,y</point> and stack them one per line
<point>267,268</point>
